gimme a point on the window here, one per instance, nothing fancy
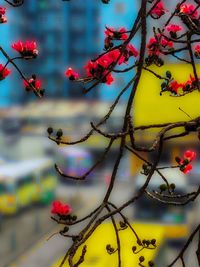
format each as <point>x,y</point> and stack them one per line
<point>25,180</point>
<point>2,188</point>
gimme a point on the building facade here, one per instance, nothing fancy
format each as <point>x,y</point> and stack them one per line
<point>118,13</point>
<point>67,34</point>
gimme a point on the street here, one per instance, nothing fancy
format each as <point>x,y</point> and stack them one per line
<point>44,253</point>
<point>84,198</point>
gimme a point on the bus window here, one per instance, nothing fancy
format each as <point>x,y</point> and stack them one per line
<point>2,189</point>
<point>147,209</point>
<point>26,180</point>
<point>161,257</point>
<point>47,186</point>
<point>48,173</point>
<point>10,188</point>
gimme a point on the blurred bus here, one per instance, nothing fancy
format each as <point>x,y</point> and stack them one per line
<point>173,218</point>
<point>74,161</point>
<point>25,183</point>
<point>97,256</point>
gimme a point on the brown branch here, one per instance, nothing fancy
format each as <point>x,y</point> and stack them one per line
<point>105,118</point>
<point>117,237</point>
<point>181,254</point>
<point>19,71</point>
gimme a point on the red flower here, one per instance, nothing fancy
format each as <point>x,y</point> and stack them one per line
<point>59,208</point>
<point>27,49</point>
<point>188,9</point>
<point>174,86</point>
<point>155,45</point>
<point>189,155</point>
<point>184,163</point>
<point>110,58</point>
<point>187,168</point>
<point>2,10</point>
<point>109,32</point>
<point>197,51</point>
<point>174,28</point>
<point>18,46</point>
<point>30,46</point>
<point>190,84</point>
<point>109,79</point>
<point>4,72</point>
<point>34,82</point>
<point>71,74</point>
<point>166,44</point>
<point>197,48</point>
<point>132,50</point>
<point>158,10</point>
<point>90,68</point>
<point>3,18</point>
<point>97,69</point>
<point>106,60</point>
<point>116,34</point>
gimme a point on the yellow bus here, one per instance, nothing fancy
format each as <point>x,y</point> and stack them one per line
<point>97,256</point>
<point>24,183</point>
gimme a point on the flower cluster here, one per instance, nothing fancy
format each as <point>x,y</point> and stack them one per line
<point>176,88</point>
<point>60,209</point>
<point>190,84</point>
<point>113,34</point>
<point>184,163</point>
<point>4,72</point>
<point>155,47</point>
<point>197,51</point>
<point>158,11</point>
<point>100,69</point>
<point>173,29</point>
<point>190,10</point>
<point>156,44</point>
<point>27,49</point>
<point>3,18</point>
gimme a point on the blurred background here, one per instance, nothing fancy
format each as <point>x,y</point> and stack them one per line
<point>69,34</point>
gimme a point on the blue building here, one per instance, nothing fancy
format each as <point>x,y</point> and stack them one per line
<point>8,90</point>
<point>67,34</point>
<point>118,13</point>
<point>44,21</point>
<point>83,35</point>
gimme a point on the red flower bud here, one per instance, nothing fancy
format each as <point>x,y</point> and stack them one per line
<point>71,74</point>
<point>4,72</point>
<point>187,169</point>
<point>34,82</point>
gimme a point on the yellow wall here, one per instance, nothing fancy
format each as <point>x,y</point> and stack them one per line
<point>149,107</point>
